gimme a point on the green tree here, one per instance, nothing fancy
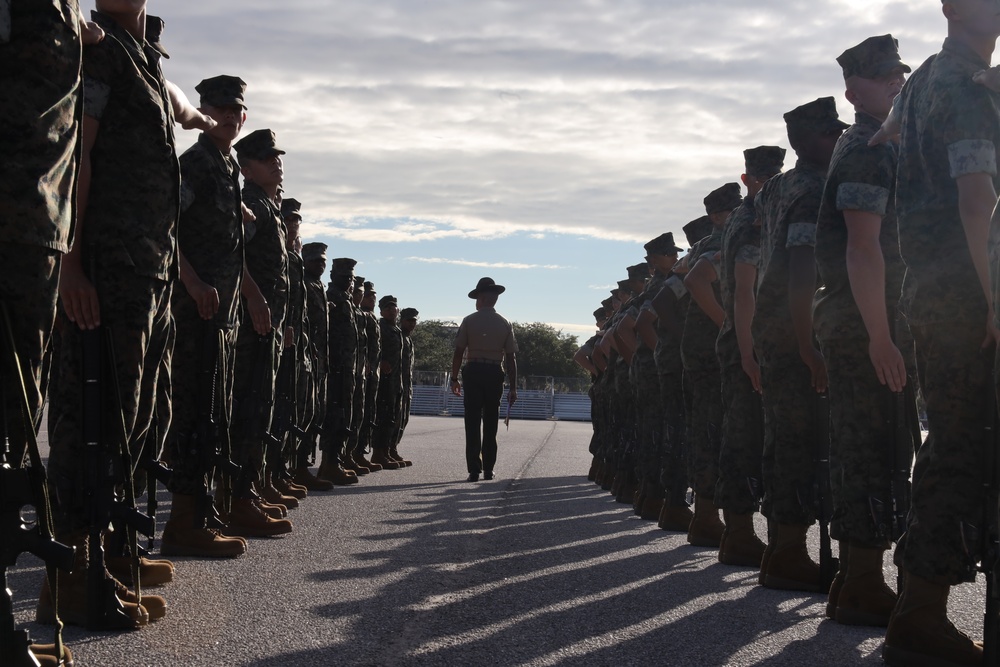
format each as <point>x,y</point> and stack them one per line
<point>545,351</point>
<point>434,345</point>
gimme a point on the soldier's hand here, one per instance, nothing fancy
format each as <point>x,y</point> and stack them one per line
<point>259,312</point>
<point>890,127</point>
<point>289,338</point>
<point>511,396</point>
<point>752,369</point>
<point>79,296</point>
<point>205,296</point>
<point>196,120</point>
<point>90,32</point>
<point>248,215</point>
<point>888,363</point>
<point>456,387</point>
<point>817,367</point>
<point>989,78</point>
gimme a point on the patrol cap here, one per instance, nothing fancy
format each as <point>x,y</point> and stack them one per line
<point>606,303</point>
<point>222,91</point>
<point>697,229</point>
<point>290,207</point>
<point>387,301</point>
<point>872,59</point>
<point>638,271</point>
<point>408,314</point>
<point>599,314</point>
<point>359,282</point>
<point>258,145</point>
<point>764,160</point>
<point>662,245</point>
<point>723,199</point>
<point>818,116</point>
<point>625,286</point>
<point>314,250</point>
<point>343,266</point>
<point>369,286</point>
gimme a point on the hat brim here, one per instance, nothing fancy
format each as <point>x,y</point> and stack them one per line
<point>492,289</point>
<point>223,102</point>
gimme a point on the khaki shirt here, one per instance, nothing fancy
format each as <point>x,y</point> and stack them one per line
<point>486,335</point>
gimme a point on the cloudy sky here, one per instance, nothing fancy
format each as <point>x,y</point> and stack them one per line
<point>539,142</point>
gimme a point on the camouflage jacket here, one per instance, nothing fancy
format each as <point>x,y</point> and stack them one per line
<point>700,332</point>
<point>266,255</point>
<point>950,129</point>
<point>210,228</point>
<point>861,178</point>
<point>40,113</point>
<point>787,207</point>
<point>296,316</point>
<point>373,337</point>
<point>343,336</point>
<point>668,348</point>
<point>361,363</point>
<point>318,316</point>
<point>391,338</point>
<point>740,245</point>
<point>134,196</point>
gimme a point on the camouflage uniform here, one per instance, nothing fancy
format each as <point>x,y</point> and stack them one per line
<point>787,207</point>
<point>944,304</point>
<point>390,386</point>
<point>407,371</point>
<point>210,234</point>
<point>670,369</point>
<point>39,121</point>
<point>646,398</point>
<point>358,416</point>
<point>299,376</point>
<point>317,309</point>
<point>373,353</point>
<point>128,244</point>
<point>861,178</point>
<point>343,351</point>
<point>741,449</point>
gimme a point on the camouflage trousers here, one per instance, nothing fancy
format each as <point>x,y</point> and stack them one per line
<point>404,412</point>
<point>339,409</point>
<point>742,449</point>
<point>649,417</point>
<point>387,410</point>
<point>309,443</point>
<point>357,414</point>
<point>134,314</point>
<point>158,389</point>
<point>789,463</point>
<point>368,425</point>
<point>673,445</point>
<point>624,437</point>
<point>28,289</point>
<point>200,347</point>
<point>704,429</point>
<point>950,467</point>
<point>254,374</point>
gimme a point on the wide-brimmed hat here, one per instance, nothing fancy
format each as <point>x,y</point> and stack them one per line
<point>486,285</point>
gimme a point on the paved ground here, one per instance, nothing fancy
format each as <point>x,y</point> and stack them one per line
<point>418,567</point>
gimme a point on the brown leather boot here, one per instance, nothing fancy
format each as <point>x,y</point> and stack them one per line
<point>674,518</point>
<point>920,632</point>
<point>247,520</point>
<point>341,476</point>
<point>837,584</point>
<point>273,496</point>
<point>286,488</point>
<point>789,567</point>
<point>273,511</point>
<point>359,464</point>
<point>864,598</point>
<point>740,545</point>
<point>359,458</point>
<point>706,528</point>
<point>381,457</point>
<point>117,614</point>
<point>156,605</point>
<point>182,536</point>
<point>304,477</point>
<point>651,506</point>
<point>152,572</point>
<point>46,656</point>
<point>394,455</point>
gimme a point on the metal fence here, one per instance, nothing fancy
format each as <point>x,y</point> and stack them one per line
<point>537,398</point>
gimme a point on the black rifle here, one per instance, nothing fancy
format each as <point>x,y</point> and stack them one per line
<point>283,423</point>
<point>155,471</point>
<point>754,484</point>
<point>107,464</point>
<point>828,565</point>
<point>21,486</point>
<point>990,541</point>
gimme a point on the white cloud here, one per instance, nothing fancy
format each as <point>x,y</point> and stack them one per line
<point>485,265</point>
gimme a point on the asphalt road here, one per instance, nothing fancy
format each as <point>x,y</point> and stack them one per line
<point>419,567</point>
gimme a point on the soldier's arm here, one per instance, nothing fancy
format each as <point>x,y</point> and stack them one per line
<point>976,200</point>
<point>744,304</point>
<point>77,293</point>
<point>510,362</point>
<point>698,282</point>
<point>185,113</point>
<point>456,364</point>
<point>667,306</point>
<point>582,359</point>
<point>256,304</point>
<point>645,327</point>
<point>624,336</point>
<point>204,295</point>
<point>801,288</point>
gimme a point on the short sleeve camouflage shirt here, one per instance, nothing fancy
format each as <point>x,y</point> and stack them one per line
<point>740,245</point>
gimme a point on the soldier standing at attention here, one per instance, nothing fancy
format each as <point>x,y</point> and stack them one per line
<point>373,353</point>
<point>792,369</point>
<point>205,307</point>
<point>390,385</point>
<point>407,323</point>
<point>857,254</point>
<point>356,460</point>
<point>946,190</point>
<point>486,343</point>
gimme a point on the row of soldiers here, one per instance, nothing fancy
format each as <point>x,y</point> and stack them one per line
<point>773,368</point>
<point>175,315</point>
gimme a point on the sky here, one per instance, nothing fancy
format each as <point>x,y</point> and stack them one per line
<point>538,142</point>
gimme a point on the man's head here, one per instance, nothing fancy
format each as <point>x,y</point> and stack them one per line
<point>368,300</point>
<point>222,101</point>
<point>388,307</point>
<point>661,252</point>
<point>359,291</point>
<point>260,159</point>
<point>813,130</point>
<point>874,75</point>
<point>314,259</point>
<point>972,20</point>
<point>291,214</point>
<point>719,203</point>
<point>637,275</point>
<point>761,164</point>
<point>697,229</point>
<point>342,273</point>
<point>486,293</point>
<point>408,320</point>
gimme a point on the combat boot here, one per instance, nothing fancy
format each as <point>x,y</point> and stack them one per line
<point>340,476</point>
<point>394,455</point>
<point>864,598</point>
<point>155,605</point>
<point>772,532</point>
<point>358,463</point>
<point>740,545</point>
<point>273,511</point>
<point>350,466</point>
<point>639,497</point>
<point>287,488</point>
<point>359,458</point>
<point>73,588</point>
<point>592,473</point>
<point>380,456</point>
<point>247,520</point>
<point>674,518</point>
<point>608,480</point>
<point>789,566</point>
<point>652,503</point>
<point>46,656</point>
<point>920,632</point>
<point>183,537</point>
<point>152,572</point>
<point>304,477</point>
<point>617,482</point>
<point>844,551</point>
<point>273,496</point>
<point>706,528</point>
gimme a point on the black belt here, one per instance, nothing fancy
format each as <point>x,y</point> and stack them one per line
<point>489,362</point>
